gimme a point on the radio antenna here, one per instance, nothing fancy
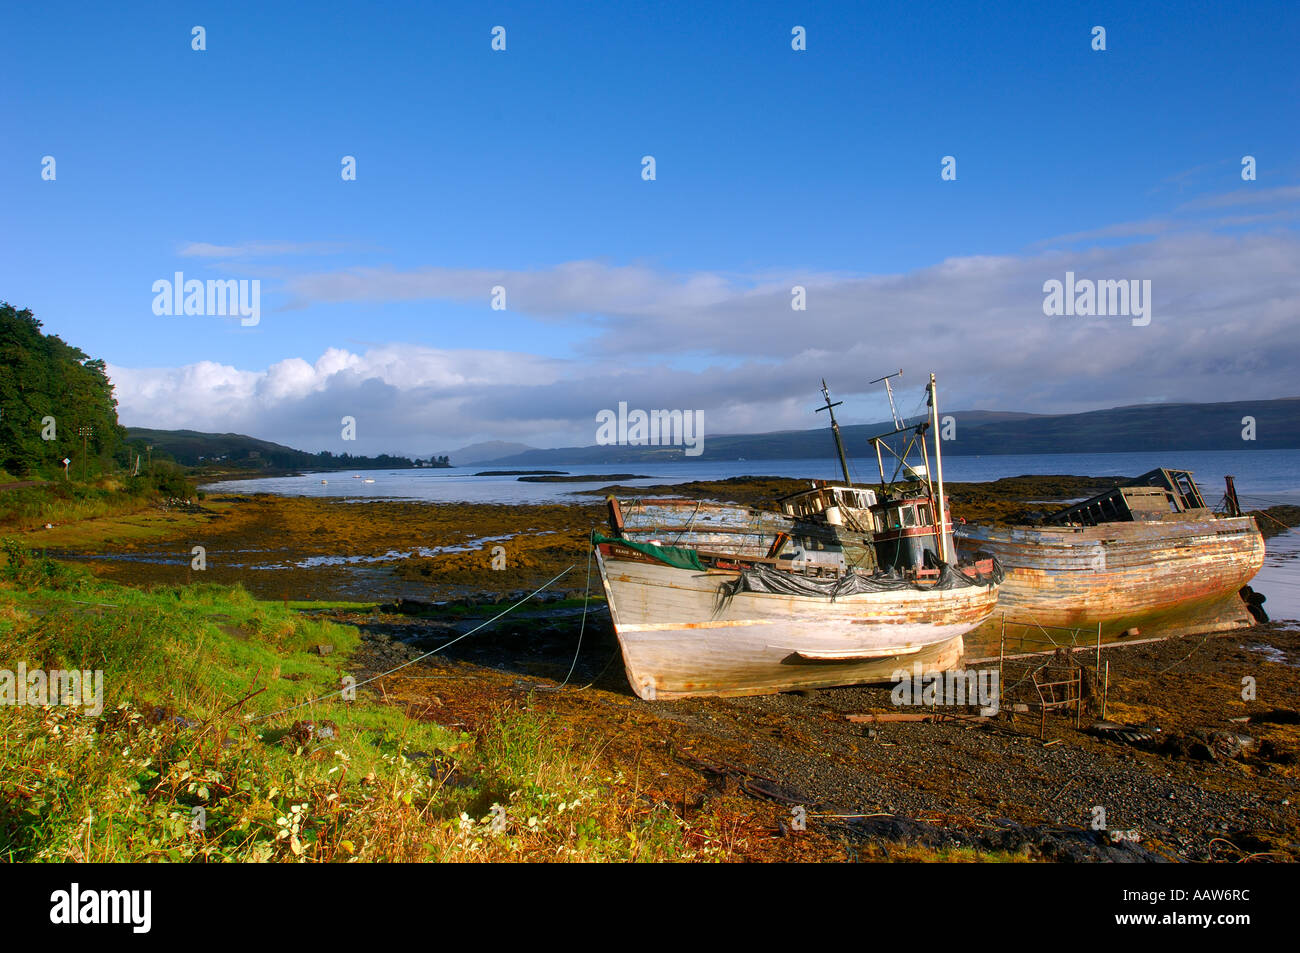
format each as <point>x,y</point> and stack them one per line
<point>893,411</point>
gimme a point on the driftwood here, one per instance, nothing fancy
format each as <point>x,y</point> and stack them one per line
<point>911,716</point>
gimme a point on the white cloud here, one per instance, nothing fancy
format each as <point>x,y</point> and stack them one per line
<point>1226,310</point>
<point>260,249</point>
<point>1245,196</point>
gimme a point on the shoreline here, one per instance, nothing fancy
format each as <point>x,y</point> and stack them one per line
<point>375,549</point>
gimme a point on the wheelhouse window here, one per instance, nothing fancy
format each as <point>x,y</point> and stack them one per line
<point>909,516</point>
<point>923,514</point>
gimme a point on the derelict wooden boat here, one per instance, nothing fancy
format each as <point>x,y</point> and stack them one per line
<point>720,599</point>
<point>694,623</point>
<point>1149,556</point>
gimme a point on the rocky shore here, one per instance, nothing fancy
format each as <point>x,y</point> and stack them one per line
<point>1199,774</point>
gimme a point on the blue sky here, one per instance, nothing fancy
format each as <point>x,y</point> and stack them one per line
<point>774,167</point>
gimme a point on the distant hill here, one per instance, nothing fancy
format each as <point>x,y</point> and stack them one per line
<point>193,448</point>
<point>488,450</point>
<point>1143,427</point>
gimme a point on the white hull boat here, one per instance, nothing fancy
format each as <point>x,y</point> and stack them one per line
<point>712,630</point>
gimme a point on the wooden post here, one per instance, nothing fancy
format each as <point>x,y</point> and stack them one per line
<point>85,432</point>
<point>1002,651</point>
<point>1099,650</point>
<point>1234,507</point>
<point>1105,691</point>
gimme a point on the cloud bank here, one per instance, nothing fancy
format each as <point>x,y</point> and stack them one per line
<point>1226,310</point>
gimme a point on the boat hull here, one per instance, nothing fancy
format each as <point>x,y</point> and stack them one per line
<point>680,639</point>
<point>1156,576</point>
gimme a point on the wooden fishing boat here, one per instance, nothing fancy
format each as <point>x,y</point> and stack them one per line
<point>1148,555</point>
<point>720,599</point>
<point>696,623</point>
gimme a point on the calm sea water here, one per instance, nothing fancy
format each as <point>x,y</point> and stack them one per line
<point>1279,580</point>
<point>1263,476</point>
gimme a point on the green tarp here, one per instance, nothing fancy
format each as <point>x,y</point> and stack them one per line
<point>671,555</point>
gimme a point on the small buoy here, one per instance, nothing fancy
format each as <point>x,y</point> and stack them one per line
<point>324,482</point>
<point>49,526</point>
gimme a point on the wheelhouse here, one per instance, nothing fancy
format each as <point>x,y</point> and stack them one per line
<point>905,530</point>
<point>827,500</point>
<point>1157,495</point>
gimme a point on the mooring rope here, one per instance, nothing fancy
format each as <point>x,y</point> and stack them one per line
<point>614,655</point>
<point>583,628</point>
<point>1267,517</point>
<point>312,701</point>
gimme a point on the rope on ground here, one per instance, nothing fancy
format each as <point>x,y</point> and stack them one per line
<point>600,674</point>
<point>614,655</point>
<point>1195,647</point>
<point>504,612</point>
<point>581,629</point>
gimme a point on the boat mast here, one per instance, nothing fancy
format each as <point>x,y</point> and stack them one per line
<point>939,534</point>
<point>835,429</point>
<point>893,415</point>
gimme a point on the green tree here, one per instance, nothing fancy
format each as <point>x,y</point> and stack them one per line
<point>42,376</point>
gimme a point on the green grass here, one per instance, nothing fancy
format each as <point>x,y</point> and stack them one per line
<point>318,604</point>
<point>184,667</point>
<point>59,501</point>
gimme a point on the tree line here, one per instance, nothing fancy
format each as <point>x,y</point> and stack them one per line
<point>56,402</point>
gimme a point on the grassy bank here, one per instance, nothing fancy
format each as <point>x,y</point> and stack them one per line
<point>336,781</point>
<point>59,501</point>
